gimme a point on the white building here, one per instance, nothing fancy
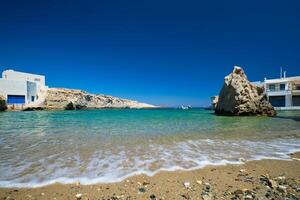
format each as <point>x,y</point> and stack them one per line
<point>283,92</point>
<point>21,88</point>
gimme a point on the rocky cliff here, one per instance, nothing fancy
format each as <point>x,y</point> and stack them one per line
<point>239,97</point>
<point>3,105</point>
<point>60,98</point>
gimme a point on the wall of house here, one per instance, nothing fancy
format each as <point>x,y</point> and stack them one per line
<point>24,84</point>
<point>288,100</point>
<point>21,76</point>
<point>10,87</point>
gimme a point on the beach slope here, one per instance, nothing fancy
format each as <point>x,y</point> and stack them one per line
<point>263,179</point>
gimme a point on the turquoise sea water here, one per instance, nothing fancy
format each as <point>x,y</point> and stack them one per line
<point>92,146</point>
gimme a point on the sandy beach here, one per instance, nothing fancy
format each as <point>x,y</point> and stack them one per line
<point>263,179</point>
<point>149,100</point>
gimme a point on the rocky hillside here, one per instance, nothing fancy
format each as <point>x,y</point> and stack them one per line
<point>239,97</point>
<point>3,105</point>
<point>60,98</point>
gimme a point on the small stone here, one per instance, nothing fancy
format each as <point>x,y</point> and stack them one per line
<point>247,191</point>
<point>43,194</point>
<point>120,196</point>
<point>141,189</point>
<point>199,182</point>
<point>273,184</point>
<point>242,170</point>
<point>146,183</point>
<point>206,197</point>
<point>281,177</point>
<point>186,196</point>
<point>78,196</point>
<point>186,184</point>
<point>248,197</point>
<point>206,187</point>
<point>8,198</point>
<point>282,188</point>
<point>238,192</point>
<point>242,159</point>
<point>207,184</point>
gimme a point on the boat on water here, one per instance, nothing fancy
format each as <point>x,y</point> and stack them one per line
<point>186,107</point>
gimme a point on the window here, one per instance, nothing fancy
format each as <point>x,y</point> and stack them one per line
<point>32,98</point>
<point>272,87</point>
<point>37,79</point>
<point>282,87</point>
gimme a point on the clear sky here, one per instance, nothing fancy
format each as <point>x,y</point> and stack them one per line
<point>161,52</point>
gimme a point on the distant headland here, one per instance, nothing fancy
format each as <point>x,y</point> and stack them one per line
<point>25,91</point>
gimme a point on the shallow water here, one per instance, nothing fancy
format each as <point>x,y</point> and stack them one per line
<point>39,148</point>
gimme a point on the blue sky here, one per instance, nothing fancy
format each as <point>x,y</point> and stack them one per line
<point>161,52</point>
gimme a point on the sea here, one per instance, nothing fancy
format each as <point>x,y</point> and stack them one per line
<point>103,146</point>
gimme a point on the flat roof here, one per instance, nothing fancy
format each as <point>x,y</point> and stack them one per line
<point>24,73</point>
<point>283,80</point>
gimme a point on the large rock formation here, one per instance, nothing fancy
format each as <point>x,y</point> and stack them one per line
<point>60,98</point>
<point>239,97</point>
<point>3,105</point>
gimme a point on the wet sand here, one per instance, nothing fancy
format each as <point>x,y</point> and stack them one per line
<point>264,179</point>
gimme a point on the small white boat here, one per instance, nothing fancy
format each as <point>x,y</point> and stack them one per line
<point>186,107</point>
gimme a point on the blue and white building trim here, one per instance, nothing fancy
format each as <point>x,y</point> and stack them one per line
<point>21,88</point>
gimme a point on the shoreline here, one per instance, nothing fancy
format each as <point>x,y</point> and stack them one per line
<point>210,182</point>
<point>84,181</point>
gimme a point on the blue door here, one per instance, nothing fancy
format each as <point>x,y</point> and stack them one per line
<point>15,99</point>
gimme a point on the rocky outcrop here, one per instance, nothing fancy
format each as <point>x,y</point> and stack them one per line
<point>70,106</point>
<point>214,102</point>
<point>60,98</point>
<point>3,105</point>
<point>239,97</point>
<point>33,109</point>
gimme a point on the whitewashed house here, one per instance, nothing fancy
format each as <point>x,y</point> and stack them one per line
<point>21,88</point>
<point>283,93</point>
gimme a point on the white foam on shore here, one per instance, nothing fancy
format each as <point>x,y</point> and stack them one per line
<point>107,179</point>
<point>107,166</point>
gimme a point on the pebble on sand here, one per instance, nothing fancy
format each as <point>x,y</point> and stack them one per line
<point>282,188</point>
<point>78,196</point>
<point>186,184</point>
<point>199,182</point>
